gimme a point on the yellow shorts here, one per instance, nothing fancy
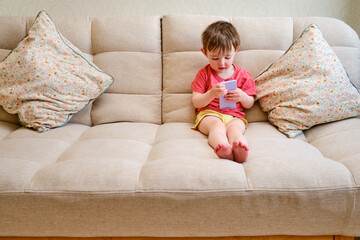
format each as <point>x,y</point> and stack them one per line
<point>225,118</point>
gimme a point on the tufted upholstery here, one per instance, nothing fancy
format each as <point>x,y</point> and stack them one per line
<point>131,166</point>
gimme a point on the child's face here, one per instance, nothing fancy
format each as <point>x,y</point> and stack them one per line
<point>220,61</point>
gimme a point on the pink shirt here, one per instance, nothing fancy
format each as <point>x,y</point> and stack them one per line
<point>206,78</point>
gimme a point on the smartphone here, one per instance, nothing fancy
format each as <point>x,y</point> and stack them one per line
<point>224,104</point>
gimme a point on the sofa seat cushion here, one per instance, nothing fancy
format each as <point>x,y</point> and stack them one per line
<point>340,142</point>
<point>81,158</point>
<point>169,174</point>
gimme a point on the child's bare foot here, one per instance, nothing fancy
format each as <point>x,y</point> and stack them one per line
<point>224,151</point>
<point>240,151</point>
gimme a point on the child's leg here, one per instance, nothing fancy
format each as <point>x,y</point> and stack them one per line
<point>215,129</point>
<point>235,130</point>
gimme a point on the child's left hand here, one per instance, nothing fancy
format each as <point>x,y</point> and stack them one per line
<point>234,95</point>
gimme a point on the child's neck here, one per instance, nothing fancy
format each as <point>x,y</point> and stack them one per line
<point>227,74</point>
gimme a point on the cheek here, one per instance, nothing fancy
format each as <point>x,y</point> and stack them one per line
<point>212,63</point>
<point>230,61</point>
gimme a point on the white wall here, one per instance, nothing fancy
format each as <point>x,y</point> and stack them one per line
<point>346,10</point>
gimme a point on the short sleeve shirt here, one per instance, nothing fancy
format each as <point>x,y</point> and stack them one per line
<point>206,78</point>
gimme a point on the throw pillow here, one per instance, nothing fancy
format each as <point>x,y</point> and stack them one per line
<point>46,79</point>
<point>307,86</point>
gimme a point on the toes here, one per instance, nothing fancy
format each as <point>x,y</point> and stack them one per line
<point>224,151</point>
<point>240,151</point>
<point>244,146</point>
<point>241,145</point>
<point>217,148</point>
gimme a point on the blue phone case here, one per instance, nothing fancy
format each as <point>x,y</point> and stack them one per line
<point>224,104</point>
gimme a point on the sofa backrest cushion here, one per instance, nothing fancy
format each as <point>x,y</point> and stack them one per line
<point>128,48</point>
<point>263,40</point>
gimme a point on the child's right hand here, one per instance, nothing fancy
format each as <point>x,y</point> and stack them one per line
<point>218,90</point>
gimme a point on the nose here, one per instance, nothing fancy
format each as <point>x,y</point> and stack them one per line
<point>222,61</point>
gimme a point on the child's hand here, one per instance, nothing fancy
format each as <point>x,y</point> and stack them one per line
<point>235,95</point>
<point>218,90</point>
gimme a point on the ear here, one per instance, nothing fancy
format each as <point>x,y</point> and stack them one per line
<point>237,49</point>
<point>204,52</point>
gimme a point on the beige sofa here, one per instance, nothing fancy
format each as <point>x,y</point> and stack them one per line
<point>129,164</point>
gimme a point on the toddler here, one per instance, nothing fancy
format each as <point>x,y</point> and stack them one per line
<point>224,127</point>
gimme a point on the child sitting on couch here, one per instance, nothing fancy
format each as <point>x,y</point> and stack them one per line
<point>224,127</point>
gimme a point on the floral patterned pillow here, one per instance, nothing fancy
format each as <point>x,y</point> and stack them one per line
<point>46,79</point>
<point>307,86</point>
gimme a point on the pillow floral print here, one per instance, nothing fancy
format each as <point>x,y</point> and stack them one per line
<point>46,79</point>
<point>307,86</point>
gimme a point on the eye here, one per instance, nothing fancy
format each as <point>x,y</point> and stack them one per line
<point>214,59</point>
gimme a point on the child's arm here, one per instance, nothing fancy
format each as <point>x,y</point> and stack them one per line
<point>239,95</point>
<point>202,100</point>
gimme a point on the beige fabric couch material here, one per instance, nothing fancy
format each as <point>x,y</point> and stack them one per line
<point>129,164</point>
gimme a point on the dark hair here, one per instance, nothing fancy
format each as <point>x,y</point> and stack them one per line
<point>220,35</point>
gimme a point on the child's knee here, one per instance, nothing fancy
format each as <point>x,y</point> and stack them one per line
<point>210,123</point>
<point>236,125</point>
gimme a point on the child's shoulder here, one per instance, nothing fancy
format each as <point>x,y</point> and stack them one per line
<point>238,69</point>
<point>241,71</point>
<point>205,71</point>
<point>206,68</point>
